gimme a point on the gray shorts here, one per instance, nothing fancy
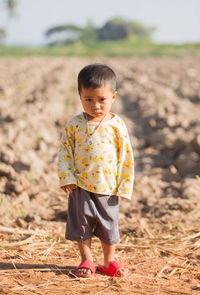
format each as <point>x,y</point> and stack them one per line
<point>90,213</point>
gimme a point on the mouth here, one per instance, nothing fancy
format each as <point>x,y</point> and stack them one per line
<point>96,112</point>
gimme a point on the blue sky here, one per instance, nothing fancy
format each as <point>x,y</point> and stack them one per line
<point>177,21</point>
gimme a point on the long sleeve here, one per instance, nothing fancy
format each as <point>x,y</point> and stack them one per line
<point>125,173</point>
<point>66,157</point>
<point>101,163</point>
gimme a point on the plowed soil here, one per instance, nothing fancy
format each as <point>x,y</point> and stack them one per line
<point>159,99</point>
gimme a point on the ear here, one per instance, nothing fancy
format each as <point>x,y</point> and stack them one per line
<point>114,95</point>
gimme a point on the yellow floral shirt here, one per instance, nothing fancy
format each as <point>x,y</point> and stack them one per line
<point>101,163</point>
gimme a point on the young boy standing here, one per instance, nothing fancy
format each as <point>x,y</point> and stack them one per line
<point>96,168</point>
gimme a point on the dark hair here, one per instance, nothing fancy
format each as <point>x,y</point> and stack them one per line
<point>96,75</point>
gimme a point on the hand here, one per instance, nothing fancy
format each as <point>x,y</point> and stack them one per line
<point>68,188</point>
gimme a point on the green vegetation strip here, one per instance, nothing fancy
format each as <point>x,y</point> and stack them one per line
<point>106,48</point>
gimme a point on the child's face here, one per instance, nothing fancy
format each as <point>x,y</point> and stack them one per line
<point>97,102</point>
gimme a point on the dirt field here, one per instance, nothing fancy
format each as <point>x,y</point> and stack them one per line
<point>159,99</point>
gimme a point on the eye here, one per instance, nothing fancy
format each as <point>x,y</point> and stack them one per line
<point>102,99</point>
<point>88,99</point>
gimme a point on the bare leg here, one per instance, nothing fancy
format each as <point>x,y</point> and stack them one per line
<point>85,251</point>
<point>108,252</point>
<point>109,255</point>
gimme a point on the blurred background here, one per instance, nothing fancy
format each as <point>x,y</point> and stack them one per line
<point>107,27</point>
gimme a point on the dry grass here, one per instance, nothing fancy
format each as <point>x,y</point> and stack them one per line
<point>32,262</point>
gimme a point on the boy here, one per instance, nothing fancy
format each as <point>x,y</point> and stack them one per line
<point>96,168</point>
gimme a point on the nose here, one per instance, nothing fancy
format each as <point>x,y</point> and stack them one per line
<point>96,106</point>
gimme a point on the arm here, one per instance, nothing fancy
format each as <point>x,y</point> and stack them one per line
<point>66,158</point>
<point>125,175</point>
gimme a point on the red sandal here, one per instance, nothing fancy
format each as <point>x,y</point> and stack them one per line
<point>112,269</point>
<point>88,264</point>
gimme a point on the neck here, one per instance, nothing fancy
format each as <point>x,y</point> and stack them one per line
<point>96,119</point>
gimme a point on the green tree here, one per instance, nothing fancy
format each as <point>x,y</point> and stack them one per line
<point>118,29</point>
<point>114,29</point>
<point>67,34</point>
<point>10,7</point>
<point>2,33</point>
<point>89,33</point>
